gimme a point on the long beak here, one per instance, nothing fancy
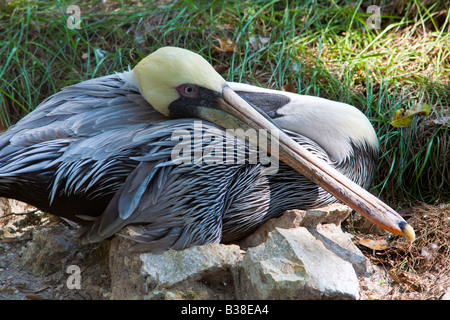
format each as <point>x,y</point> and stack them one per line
<point>301,160</point>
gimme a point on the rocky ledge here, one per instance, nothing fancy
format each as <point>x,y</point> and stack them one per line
<point>301,255</point>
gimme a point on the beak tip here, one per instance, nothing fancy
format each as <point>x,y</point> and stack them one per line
<point>408,231</point>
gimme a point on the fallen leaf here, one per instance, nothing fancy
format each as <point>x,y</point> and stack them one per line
<point>404,118</point>
<point>443,121</point>
<point>220,68</point>
<point>290,87</point>
<point>411,282</point>
<point>226,45</point>
<point>380,244</point>
<point>394,276</point>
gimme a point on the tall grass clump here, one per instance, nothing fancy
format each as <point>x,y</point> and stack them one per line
<point>315,47</point>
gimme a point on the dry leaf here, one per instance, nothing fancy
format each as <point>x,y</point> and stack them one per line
<point>394,276</point>
<point>220,68</point>
<point>405,277</point>
<point>380,244</point>
<point>290,87</point>
<point>226,45</point>
<point>443,121</point>
<point>404,118</point>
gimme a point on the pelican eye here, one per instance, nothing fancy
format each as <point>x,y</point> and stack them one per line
<point>188,90</point>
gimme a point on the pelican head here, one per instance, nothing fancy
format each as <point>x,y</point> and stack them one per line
<point>170,74</point>
<point>179,83</point>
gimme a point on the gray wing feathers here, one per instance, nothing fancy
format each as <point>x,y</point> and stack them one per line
<point>93,132</point>
<point>140,200</point>
<point>89,108</point>
<point>166,202</point>
<point>81,131</point>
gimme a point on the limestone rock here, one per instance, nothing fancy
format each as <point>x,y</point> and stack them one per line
<point>290,219</point>
<point>334,213</point>
<point>328,230</point>
<point>201,272</point>
<point>310,219</point>
<point>341,244</point>
<point>293,264</point>
<point>300,255</point>
<point>325,225</point>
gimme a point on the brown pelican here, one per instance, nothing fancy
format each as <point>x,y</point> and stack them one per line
<point>101,153</point>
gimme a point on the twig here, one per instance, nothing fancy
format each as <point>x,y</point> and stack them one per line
<point>19,213</point>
